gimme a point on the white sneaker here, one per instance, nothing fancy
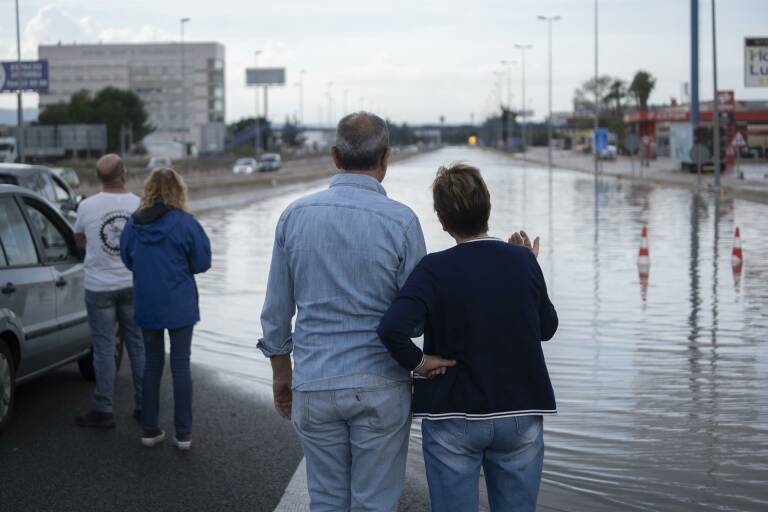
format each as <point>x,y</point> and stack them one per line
<point>150,438</point>
<point>183,441</point>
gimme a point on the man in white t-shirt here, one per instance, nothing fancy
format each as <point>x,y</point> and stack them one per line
<point>109,287</point>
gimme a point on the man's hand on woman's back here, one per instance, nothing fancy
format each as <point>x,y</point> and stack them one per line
<point>434,366</point>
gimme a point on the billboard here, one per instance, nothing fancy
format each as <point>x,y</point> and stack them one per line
<point>756,62</point>
<point>27,75</point>
<point>265,76</point>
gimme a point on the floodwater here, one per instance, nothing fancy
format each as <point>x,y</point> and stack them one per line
<point>661,381</point>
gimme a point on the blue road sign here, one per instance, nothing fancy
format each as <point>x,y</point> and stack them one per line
<point>601,139</point>
<point>28,75</point>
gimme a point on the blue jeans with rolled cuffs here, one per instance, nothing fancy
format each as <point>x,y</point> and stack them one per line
<point>181,348</point>
<point>355,443</point>
<point>510,451</point>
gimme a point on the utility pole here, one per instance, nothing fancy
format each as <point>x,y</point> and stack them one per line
<point>182,21</point>
<point>330,102</point>
<point>301,96</point>
<point>716,107</point>
<point>694,63</point>
<point>549,20</point>
<point>597,95</point>
<point>19,107</point>
<point>523,48</point>
<point>509,63</point>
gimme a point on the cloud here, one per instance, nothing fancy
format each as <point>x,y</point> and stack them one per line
<point>51,25</point>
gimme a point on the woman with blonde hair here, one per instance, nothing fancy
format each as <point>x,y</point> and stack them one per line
<point>165,247</point>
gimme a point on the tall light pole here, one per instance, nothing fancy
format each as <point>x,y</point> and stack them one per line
<point>597,96</point>
<point>182,22</point>
<point>549,20</point>
<point>523,48</point>
<point>19,108</point>
<point>301,95</point>
<point>716,107</point>
<point>497,89</point>
<point>508,64</point>
<point>256,127</point>
<point>330,104</point>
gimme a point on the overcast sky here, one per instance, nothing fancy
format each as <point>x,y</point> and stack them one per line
<point>411,60</point>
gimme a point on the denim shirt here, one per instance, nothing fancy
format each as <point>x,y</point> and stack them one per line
<point>340,256</point>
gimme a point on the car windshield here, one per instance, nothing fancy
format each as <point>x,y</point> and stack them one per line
<point>6,147</point>
<point>244,161</point>
<point>8,179</point>
<point>269,158</point>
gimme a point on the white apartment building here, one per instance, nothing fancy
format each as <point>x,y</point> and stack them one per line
<point>161,74</point>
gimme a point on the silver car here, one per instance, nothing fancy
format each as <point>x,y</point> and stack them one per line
<point>43,321</point>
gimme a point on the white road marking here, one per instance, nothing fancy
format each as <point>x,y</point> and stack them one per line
<point>296,496</point>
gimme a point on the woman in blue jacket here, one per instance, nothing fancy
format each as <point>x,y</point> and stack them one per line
<point>165,247</point>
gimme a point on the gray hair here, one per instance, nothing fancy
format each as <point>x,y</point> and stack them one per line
<point>361,140</point>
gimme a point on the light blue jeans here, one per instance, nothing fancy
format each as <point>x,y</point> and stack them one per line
<point>355,443</point>
<point>105,310</point>
<point>510,451</point>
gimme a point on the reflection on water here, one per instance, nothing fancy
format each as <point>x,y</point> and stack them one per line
<point>661,379</point>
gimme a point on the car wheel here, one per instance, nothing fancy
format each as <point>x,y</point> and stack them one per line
<point>85,363</point>
<point>7,385</point>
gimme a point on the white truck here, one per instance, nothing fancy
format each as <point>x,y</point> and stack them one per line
<point>8,149</point>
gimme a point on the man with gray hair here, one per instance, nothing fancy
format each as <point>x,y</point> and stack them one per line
<point>109,287</point>
<point>340,256</point>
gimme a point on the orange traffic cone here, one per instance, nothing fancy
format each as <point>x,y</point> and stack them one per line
<point>643,256</point>
<point>737,256</point>
<point>643,265</point>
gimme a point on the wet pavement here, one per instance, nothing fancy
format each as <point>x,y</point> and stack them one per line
<point>660,380</point>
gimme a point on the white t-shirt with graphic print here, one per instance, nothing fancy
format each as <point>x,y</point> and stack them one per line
<point>102,218</point>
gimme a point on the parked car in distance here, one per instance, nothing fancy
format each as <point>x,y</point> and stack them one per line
<point>270,162</point>
<point>8,149</point>
<point>610,152</point>
<point>245,166</point>
<point>67,174</point>
<point>44,182</point>
<point>158,161</point>
<point>43,320</point>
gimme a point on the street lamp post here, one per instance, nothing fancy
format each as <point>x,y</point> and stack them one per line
<point>523,48</point>
<point>497,89</point>
<point>716,103</point>
<point>183,21</point>
<point>597,95</point>
<point>19,107</point>
<point>508,64</point>
<point>330,104</point>
<point>549,20</point>
<point>301,95</point>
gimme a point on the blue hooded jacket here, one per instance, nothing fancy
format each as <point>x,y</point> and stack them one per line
<point>165,247</point>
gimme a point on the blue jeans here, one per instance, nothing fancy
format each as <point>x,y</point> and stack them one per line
<point>510,451</point>
<point>105,310</point>
<point>355,443</point>
<point>181,348</point>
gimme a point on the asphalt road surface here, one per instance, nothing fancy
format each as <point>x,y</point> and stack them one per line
<point>243,454</point>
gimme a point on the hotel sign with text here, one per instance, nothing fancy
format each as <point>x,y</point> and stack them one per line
<point>756,62</point>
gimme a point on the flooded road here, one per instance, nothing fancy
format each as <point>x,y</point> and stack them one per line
<point>661,381</point>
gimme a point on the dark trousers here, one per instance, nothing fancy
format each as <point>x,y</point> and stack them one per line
<point>181,347</point>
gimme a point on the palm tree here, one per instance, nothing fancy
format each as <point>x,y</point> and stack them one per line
<point>617,91</point>
<point>641,87</point>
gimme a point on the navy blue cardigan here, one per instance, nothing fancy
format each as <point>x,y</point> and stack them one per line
<point>483,303</point>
